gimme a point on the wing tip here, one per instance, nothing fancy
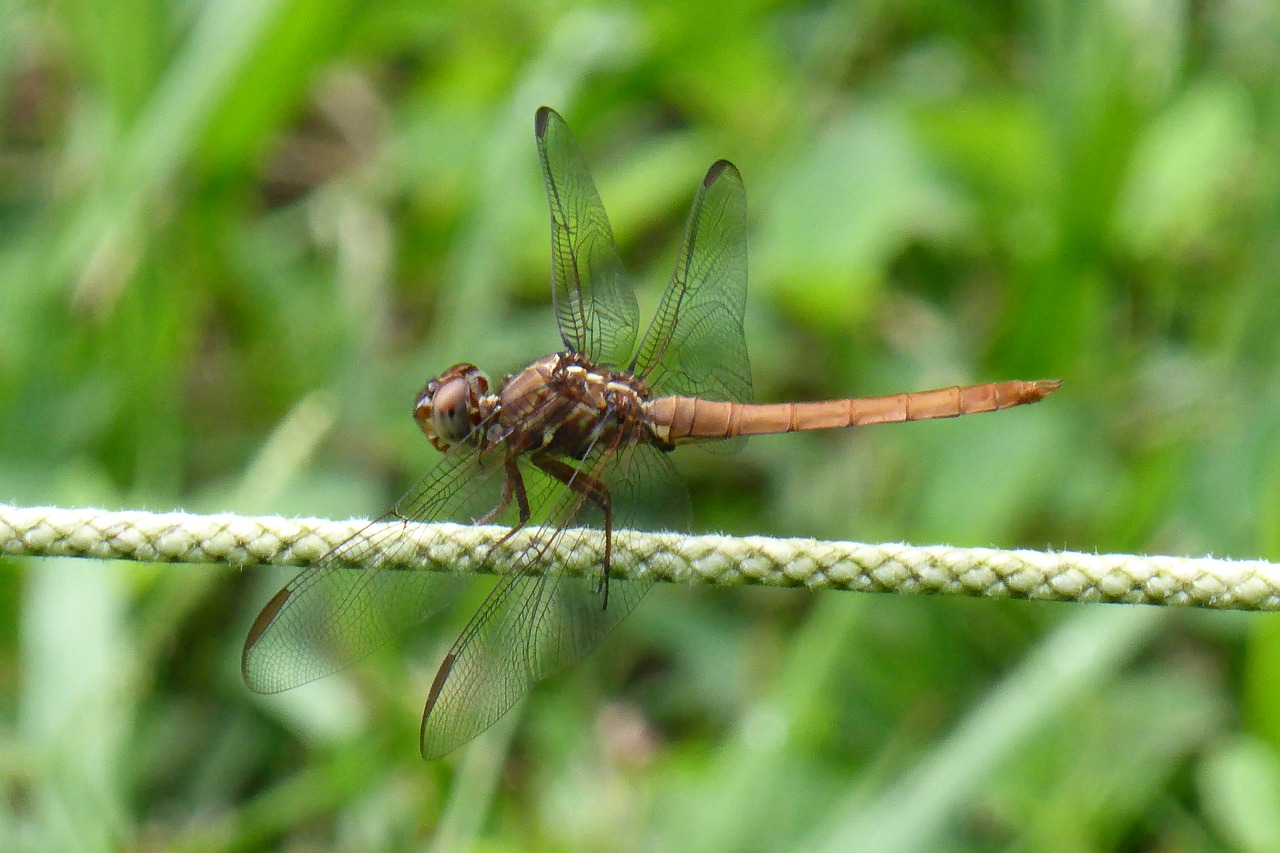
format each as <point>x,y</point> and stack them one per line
<point>259,627</point>
<point>430,750</point>
<point>540,120</point>
<point>718,168</point>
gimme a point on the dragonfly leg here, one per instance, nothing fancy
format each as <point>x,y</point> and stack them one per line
<point>516,481</point>
<point>594,491</point>
<point>512,485</point>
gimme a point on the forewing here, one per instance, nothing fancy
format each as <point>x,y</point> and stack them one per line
<point>333,614</point>
<point>533,623</point>
<point>594,303</point>
<point>695,345</point>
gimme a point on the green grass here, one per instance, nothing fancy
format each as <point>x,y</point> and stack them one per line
<point>235,239</point>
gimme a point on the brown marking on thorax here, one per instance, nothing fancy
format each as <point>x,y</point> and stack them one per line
<point>565,405</point>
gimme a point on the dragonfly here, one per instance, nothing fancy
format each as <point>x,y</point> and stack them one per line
<point>577,444</point>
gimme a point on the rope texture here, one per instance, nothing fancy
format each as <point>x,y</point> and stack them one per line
<point>934,570</point>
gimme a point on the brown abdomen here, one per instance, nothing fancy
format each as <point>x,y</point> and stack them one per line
<point>679,419</point>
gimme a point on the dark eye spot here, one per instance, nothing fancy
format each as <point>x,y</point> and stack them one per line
<point>450,412</point>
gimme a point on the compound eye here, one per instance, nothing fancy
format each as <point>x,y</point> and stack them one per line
<point>451,411</point>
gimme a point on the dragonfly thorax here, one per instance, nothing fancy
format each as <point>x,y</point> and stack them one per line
<point>451,406</point>
<point>565,405</point>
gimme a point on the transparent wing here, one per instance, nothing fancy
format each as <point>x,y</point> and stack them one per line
<point>333,614</point>
<point>595,305</point>
<point>695,345</point>
<point>533,623</point>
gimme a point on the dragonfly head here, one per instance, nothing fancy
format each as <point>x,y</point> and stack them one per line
<point>452,405</point>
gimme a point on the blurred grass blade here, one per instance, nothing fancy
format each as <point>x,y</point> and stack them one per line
<point>1084,652</point>
<point>77,696</point>
<point>102,239</point>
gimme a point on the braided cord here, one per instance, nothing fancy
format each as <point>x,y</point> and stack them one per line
<point>936,570</point>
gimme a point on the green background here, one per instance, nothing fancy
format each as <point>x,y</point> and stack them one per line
<point>237,237</point>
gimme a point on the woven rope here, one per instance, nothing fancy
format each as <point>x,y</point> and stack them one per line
<point>936,570</point>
